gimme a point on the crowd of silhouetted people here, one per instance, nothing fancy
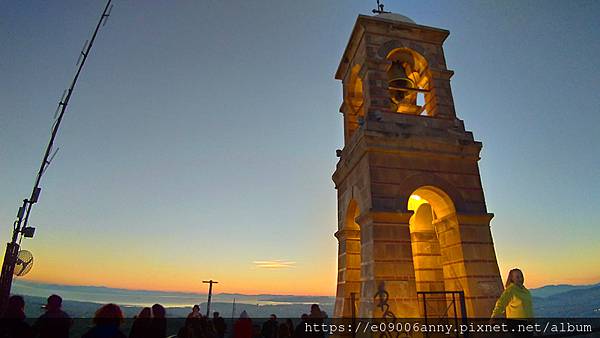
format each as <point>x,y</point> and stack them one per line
<point>272,328</point>
<point>151,322</point>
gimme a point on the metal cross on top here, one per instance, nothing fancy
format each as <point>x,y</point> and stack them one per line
<point>379,9</point>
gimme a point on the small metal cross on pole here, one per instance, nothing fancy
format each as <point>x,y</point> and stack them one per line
<point>379,9</point>
<point>210,282</point>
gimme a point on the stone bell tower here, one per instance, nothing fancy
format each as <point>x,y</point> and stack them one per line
<point>411,209</point>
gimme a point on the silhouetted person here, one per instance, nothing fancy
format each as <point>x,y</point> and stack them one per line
<point>316,312</point>
<point>316,317</point>
<point>290,326</point>
<point>300,331</point>
<point>195,312</point>
<point>219,324</point>
<point>283,331</point>
<point>243,326</point>
<point>191,329</point>
<point>107,321</point>
<point>141,324</point>
<point>256,331</point>
<point>193,325</point>
<point>55,323</point>
<point>208,329</point>
<point>270,327</point>
<point>159,322</point>
<point>12,324</point>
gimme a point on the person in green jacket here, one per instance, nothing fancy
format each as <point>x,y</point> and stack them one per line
<point>515,302</point>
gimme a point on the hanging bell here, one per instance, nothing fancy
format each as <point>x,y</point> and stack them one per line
<point>399,83</point>
<point>398,77</point>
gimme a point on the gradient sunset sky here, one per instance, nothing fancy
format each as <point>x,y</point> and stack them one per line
<point>200,141</point>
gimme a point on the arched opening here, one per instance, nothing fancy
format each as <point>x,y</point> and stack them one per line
<point>349,264</point>
<point>434,216</point>
<point>355,103</point>
<point>409,82</point>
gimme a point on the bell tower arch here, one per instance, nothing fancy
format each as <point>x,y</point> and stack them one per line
<point>411,209</point>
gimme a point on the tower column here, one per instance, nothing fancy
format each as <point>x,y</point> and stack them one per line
<point>348,272</point>
<point>469,260</point>
<point>480,262</point>
<point>375,88</point>
<point>440,98</point>
<point>387,258</point>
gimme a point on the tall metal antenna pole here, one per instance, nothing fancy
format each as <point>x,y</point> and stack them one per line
<point>20,225</point>
<point>210,282</point>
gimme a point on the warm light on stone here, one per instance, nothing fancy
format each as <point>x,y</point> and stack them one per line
<point>411,210</point>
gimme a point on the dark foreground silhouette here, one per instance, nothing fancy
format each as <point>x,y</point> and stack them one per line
<point>109,322</point>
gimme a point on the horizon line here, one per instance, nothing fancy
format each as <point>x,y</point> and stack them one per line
<point>171,291</point>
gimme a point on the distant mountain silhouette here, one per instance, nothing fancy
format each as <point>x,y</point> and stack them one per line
<point>551,290</point>
<point>84,300</point>
<point>578,302</point>
<point>23,284</point>
<point>549,301</point>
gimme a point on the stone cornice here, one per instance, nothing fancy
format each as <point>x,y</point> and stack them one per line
<point>347,233</point>
<point>376,216</point>
<point>368,141</point>
<point>474,219</point>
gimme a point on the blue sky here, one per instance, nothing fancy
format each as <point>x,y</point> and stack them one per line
<point>202,134</point>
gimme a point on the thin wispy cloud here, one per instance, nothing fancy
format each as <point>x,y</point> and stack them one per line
<point>275,264</point>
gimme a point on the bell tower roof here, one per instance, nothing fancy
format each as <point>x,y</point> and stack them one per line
<point>399,25</point>
<point>395,17</point>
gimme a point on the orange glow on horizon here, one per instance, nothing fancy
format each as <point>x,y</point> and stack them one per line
<point>201,289</point>
<point>531,282</point>
<point>141,268</point>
